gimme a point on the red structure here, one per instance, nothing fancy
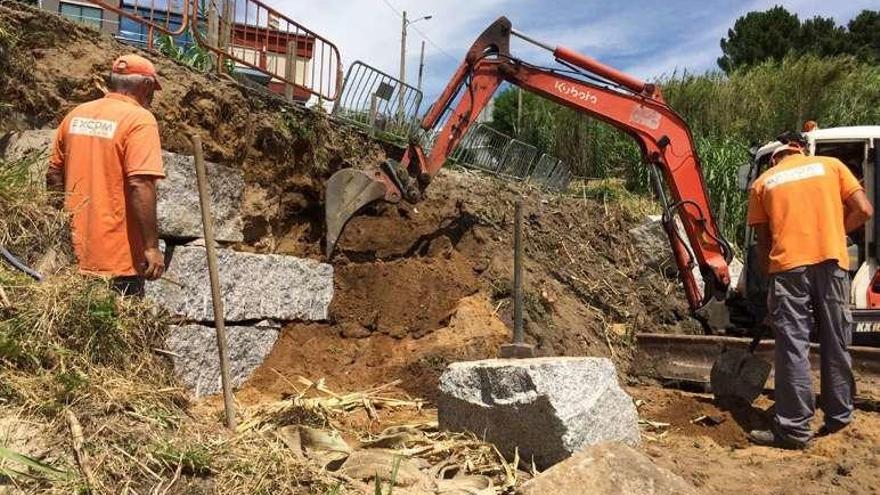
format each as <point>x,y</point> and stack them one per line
<point>267,49</point>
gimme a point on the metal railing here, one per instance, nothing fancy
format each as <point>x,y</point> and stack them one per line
<point>518,159</point>
<point>250,34</point>
<point>255,36</point>
<point>379,102</point>
<point>490,150</point>
<point>482,148</point>
<point>551,173</point>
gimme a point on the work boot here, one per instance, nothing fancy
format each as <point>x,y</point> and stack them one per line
<point>770,438</point>
<point>830,429</point>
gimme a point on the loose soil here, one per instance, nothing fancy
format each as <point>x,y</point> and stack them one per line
<point>716,457</point>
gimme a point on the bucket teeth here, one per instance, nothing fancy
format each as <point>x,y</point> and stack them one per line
<point>348,191</point>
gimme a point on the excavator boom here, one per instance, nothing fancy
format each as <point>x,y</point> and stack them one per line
<point>631,105</point>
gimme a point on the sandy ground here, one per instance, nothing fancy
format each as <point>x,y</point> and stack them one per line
<point>716,457</point>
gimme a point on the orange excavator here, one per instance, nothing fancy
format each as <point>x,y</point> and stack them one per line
<point>587,86</point>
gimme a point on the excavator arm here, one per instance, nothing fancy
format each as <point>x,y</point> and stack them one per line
<point>599,91</point>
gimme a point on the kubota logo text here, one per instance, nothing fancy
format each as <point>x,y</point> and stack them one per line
<point>569,90</point>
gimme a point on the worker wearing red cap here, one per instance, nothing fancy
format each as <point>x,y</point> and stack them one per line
<point>801,208</point>
<point>107,159</point>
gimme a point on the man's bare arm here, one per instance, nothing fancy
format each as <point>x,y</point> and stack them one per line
<point>858,211</point>
<point>764,241</point>
<point>142,194</point>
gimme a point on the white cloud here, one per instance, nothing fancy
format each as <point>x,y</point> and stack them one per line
<point>642,37</point>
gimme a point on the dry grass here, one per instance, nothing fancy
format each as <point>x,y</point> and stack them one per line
<point>79,365</point>
<point>30,225</point>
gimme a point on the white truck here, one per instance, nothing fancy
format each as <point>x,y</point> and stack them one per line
<point>857,147</point>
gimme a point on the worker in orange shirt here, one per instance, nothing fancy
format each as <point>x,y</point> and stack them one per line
<point>107,160</point>
<point>801,209</point>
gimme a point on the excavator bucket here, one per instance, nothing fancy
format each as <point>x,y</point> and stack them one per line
<point>348,191</point>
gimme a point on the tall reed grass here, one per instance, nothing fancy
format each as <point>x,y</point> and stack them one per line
<point>726,113</point>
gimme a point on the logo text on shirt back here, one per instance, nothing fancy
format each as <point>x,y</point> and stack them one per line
<point>93,127</point>
<point>795,174</point>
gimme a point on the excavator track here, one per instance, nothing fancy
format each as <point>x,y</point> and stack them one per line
<point>686,360</point>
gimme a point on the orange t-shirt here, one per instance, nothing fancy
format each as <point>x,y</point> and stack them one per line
<point>802,199</point>
<point>98,145</point>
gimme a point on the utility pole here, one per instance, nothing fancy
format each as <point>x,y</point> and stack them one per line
<point>518,112</point>
<point>401,93</point>
<point>421,66</point>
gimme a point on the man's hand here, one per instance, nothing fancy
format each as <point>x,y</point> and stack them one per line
<point>155,263</point>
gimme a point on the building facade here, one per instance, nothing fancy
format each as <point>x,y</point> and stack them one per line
<point>85,13</point>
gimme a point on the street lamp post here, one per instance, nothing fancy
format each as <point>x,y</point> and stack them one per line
<point>403,27</point>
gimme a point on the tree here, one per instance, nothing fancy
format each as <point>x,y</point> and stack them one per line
<point>823,37</point>
<point>759,36</point>
<point>770,35</point>
<point>864,32</point>
<point>536,120</point>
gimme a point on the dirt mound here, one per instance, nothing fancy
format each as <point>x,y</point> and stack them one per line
<point>352,362</point>
<point>701,416</point>
<point>402,269</point>
<point>411,296</point>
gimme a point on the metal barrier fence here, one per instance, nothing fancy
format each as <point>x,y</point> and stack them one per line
<point>255,37</point>
<point>518,159</point>
<point>552,173</point>
<point>483,148</point>
<point>378,101</point>
<point>487,149</point>
<point>258,37</point>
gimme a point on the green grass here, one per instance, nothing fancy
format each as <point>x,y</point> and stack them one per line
<point>34,469</point>
<point>194,459</point>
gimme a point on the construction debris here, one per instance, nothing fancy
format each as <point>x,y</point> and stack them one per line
<point>544,409</point>
<point>607,469</point>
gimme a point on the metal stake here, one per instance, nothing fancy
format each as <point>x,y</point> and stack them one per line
<point>518,337</point>
<point>519,348</point>
<point>216,298</point>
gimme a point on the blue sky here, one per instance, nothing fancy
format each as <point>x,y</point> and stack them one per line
<point>643,37</point>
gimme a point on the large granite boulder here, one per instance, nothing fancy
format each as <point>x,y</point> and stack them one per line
<point>254,286</point>
<point>178,200</point>
<point>607,469</point>
<point>36,145</point>
<point>548,408</point>
<point>197,363</point>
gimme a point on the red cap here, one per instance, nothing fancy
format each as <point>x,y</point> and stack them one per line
<point>135,64</point>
